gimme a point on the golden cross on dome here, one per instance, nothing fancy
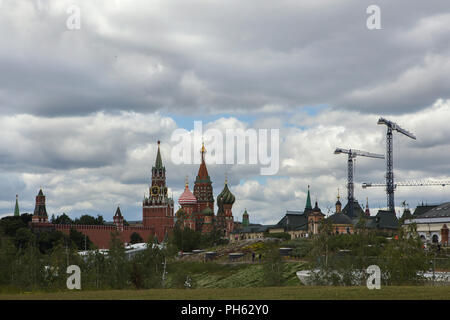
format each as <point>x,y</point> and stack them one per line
<point>203,151</point>
<point>203,147</point>
<point>338,195</point>
<point>187,182</point>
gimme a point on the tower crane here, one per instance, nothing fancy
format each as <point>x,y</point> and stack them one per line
<point>352,154</point>
<point>391,126</point>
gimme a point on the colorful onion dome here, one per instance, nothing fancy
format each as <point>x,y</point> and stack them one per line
<point>225,197</point>
<point>187,196</point>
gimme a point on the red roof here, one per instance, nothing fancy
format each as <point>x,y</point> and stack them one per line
<point>202,171</point>
<point>187,197</point>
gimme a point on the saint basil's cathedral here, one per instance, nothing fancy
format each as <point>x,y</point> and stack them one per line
<point>197,209</point>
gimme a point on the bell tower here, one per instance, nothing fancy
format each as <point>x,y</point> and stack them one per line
<point>40,211</point>
<point>157,209</point>
<point>118,220</point>
<point>203,190</point>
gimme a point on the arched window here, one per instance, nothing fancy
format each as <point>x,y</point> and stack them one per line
<point>435,238</point>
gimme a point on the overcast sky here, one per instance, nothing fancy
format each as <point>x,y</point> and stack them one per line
<point>81,110</point>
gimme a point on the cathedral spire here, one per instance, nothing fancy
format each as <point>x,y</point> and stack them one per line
<point>203,151</point>
<point>367,212</point>
<point>338,203</point>
<point>158,163</point>
<point>203,190</point>
<point>308,201</point>
<point>202,171</point>
<point>16,209</point>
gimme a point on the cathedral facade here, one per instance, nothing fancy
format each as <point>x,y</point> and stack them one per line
<point>197,209</point>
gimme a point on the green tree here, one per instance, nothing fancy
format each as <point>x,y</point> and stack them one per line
<point>11,224</point>
<point>8,254</point>
<point>81,241</point>
<point>23,237</point>
<point>185,239</point>
<point>273,266</point>
<point>95,271</point>
<point>136,238</point>
<point>118,272</point>
<point>63,219</point>
<point>100,220</point>
<point>47,240</point>
<point>89,220</point>
<point>403,259</point>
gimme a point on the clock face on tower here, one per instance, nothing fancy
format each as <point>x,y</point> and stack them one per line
<point>155,190</point>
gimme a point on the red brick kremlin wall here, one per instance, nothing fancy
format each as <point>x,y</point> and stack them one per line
<point>160,219</point>
<point>101,235</point>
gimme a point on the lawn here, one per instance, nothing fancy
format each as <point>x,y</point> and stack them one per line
<point>265,293</point>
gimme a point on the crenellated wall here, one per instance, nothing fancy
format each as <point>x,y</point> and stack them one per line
<point>101,235</point>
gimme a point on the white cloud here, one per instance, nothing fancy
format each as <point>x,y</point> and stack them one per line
<point>74,185</point>
<point>81,111</point>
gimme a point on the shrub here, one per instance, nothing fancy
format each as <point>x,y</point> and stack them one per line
<point>278,235</point>
<point>136,238</point>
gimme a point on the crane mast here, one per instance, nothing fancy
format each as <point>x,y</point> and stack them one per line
<point>352,154</point>
<point>390,188</point>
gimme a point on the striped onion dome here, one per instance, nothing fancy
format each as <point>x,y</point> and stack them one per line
<point>187,197</point>
<point>225,197</point>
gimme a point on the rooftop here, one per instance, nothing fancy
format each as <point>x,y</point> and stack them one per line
<point>440,211</point>
<point>340,218</point>
<point>293,220</point>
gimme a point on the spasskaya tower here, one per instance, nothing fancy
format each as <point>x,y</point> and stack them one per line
<point>157,209</point>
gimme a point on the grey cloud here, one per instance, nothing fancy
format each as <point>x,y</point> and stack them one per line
<point>233,56</point>
<point>254,58</point>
